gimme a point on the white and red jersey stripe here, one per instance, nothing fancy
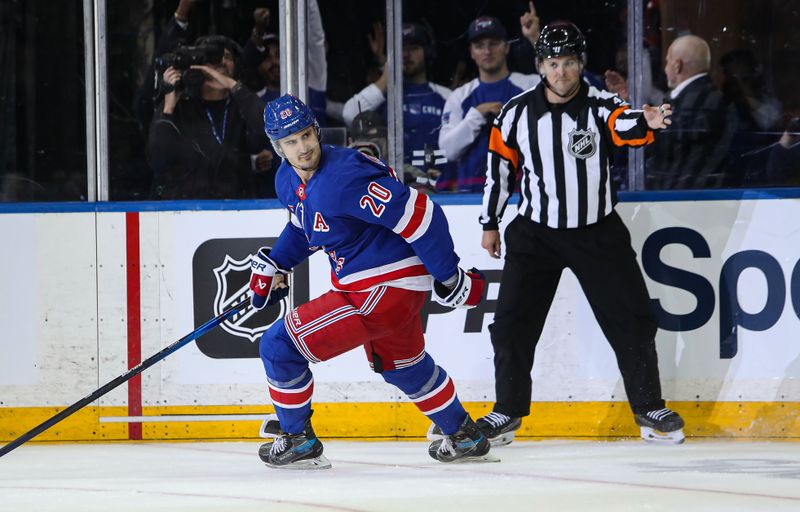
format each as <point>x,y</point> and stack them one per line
<point>409,274</point>
<point>417,217</point>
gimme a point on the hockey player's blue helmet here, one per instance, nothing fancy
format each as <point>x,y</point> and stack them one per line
<point>286,116</point>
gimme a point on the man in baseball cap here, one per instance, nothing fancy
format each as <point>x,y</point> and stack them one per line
<point>470,109</point>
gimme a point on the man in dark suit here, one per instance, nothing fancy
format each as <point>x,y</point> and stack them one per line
<point>692,152</point>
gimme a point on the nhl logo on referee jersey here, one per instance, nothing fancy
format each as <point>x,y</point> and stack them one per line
<point>582,143</point>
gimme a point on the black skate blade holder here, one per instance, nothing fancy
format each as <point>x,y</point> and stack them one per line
<point>270,427</point>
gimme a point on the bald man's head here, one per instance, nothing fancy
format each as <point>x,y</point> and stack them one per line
<point>686,57</point>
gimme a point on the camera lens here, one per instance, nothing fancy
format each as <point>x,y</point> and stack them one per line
<point>192,78</point>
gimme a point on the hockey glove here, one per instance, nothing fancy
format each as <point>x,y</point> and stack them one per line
<point>262,273</point>
<point>280,290</point>
<point>466,293</point>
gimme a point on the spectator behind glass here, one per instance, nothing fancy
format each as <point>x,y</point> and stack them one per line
<point>177,31</point>
<point>616,81</point>
<point>783,165</point>
<point>423,101</point>
<point>262,54</point>
<point>693,151</point>
<point>202,136</point>
<point>468,113</point>
<point>755,114</point>
<point>744,86</point>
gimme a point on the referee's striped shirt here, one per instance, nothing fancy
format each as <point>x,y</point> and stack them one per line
<point>562,152</point>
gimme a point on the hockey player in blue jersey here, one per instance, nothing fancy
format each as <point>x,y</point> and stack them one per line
<point>388,245</point>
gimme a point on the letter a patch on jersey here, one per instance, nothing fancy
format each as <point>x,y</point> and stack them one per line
<point>320,224</point>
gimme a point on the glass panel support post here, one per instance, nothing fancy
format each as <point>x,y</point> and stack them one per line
<point>293,48</point>
<point>635,85</point>
<point>96,91</point>
<point>394,97</point>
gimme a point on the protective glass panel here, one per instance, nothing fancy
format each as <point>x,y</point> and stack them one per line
<point>358,82</point>
<point>42,102</point>
<point>480,57</point>
<point>729,70</point>
<point>179,125</point>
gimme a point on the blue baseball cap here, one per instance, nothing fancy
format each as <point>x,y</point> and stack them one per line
<point>486,26</point>
<point>415,33</point>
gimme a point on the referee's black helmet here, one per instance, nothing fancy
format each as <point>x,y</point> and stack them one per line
<point>559,39</point>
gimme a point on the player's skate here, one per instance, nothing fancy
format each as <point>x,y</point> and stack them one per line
<point>498,428</point>
<point>662,426</point>
<point>294,451</point>
<point>466,445</point>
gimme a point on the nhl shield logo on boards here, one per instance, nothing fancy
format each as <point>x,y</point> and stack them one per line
<point>231,290</point>
<point>220,278</point>
<point>582,143</point>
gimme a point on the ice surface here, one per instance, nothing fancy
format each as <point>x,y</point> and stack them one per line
<point>399,476</point>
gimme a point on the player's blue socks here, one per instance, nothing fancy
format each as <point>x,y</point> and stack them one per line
<point>432,391</point>
<point>290,380</point>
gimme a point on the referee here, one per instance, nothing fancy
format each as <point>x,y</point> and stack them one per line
<point>559,136</point>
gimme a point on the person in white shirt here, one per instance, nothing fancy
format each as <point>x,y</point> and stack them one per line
<point>468,113</point>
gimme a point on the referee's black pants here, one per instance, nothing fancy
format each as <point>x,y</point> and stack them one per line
<point>601,257</point>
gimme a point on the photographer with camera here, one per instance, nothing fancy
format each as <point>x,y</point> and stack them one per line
<point>206,128</point>
<point>176,31</point>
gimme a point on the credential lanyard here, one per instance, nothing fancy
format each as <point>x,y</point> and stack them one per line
<point>224,122</point>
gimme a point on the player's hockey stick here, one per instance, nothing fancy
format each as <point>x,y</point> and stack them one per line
<point>139,368</point>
